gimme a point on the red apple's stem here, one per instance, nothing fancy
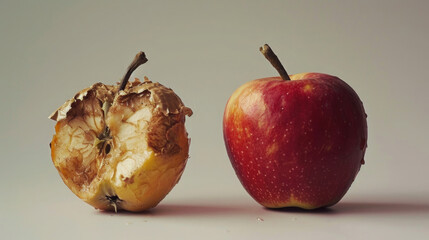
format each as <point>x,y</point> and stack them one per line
<point>138,60</point>
<point>274,60</point>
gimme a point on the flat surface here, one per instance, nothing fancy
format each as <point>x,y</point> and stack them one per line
<point>232,216</point>
<point>204,50</point>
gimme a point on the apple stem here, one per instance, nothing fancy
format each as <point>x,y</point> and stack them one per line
<point>138,60</point>
<point>274,60</point>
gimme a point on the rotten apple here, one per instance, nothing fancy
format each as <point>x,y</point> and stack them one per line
<point>121,146</point>
<point>295,141</point>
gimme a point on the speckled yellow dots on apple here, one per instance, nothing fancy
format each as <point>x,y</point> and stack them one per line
<point>295,141</point>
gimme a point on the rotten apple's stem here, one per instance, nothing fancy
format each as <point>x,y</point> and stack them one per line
<point>102,140</point>
<point>274,60</point>
<point>138,60</point>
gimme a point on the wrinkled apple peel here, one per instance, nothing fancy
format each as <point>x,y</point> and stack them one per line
<point>110,180</point>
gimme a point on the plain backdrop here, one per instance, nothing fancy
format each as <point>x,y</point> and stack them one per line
<point>204,50</point>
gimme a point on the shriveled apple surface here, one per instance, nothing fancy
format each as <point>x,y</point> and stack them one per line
<point>126,155</point>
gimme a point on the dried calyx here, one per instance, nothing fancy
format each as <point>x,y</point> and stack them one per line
<point>114,201</point>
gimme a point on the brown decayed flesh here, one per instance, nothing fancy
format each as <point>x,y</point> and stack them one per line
<point>81,120</point>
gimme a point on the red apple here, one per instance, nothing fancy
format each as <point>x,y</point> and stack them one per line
<point>295,141</point>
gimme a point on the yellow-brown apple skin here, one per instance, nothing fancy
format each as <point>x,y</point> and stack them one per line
<point>142,158</point>
<point>297,143</point>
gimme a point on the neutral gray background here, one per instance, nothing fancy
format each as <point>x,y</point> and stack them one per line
<point>204,50</point>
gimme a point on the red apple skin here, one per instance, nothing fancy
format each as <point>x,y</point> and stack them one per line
<point>297,143</point>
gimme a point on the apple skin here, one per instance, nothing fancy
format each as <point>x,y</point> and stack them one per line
<point>297,143</point>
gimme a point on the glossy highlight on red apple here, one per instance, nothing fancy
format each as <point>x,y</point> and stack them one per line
<point>295,141</point>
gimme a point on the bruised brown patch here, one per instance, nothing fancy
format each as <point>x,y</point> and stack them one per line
<point>162,133</point>
<point>74,170</point>
<point>129,180</point>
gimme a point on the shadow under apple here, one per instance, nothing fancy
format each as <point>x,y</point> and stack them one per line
<point>225,209</point>
<point>324,210</point>
<point>362,208</point>
<point>381,208</point>
<point>195,209</point>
